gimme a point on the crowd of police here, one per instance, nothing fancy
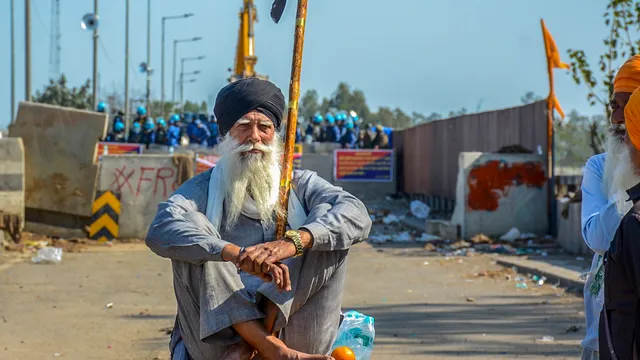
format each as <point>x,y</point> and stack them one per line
<point>178,131</point>
<point>345,129</point>
<point>342,128</point>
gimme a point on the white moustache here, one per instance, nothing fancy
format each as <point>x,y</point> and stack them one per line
<point>253,146</point>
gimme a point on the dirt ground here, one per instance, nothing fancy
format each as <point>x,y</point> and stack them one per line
<point>425,306</point>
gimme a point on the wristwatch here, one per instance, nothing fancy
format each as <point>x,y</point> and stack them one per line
<point>294,236</point>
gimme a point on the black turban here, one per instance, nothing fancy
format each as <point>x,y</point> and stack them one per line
<point>243,96</point>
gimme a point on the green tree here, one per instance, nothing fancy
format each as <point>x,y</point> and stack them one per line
<point>572,136</point>
<point>156,109</point>
<point>309,104</point>
<point>58,93</point>
<point>401,120</point>
<point>462,111</point>
<point>192,107</point>
<point>622,19</point>
<point>530,97</point>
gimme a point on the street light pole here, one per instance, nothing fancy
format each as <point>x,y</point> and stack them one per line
<point>13,62</point>
<point>126,71</point>
<point>27,50</point>
<point>182,69</point>
<point>94,101</point>
<point>164,19</point>
<point>149,55</point>
<point>175,46</point>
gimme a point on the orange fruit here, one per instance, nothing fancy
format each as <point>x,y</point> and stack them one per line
<point>343,353</point>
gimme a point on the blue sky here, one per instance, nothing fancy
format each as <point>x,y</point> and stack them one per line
<point>419,55</point>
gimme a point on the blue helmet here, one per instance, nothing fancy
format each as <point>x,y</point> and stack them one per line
<point>161,122</point>
<point>349,124</point>
<point>141,110</point>
<point>149,124</point>
<point>101,107</point>
<point>198,122</point>
<point>118,126</point>
<point>317,118</point>
<point>330,119</point>
<point>136,126</point>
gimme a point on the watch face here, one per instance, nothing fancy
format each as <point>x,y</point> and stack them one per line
<point>290,233</point>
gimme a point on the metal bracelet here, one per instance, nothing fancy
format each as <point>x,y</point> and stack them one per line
<point>241,251</point>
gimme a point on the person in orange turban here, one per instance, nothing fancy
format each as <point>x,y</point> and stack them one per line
<point>632,120</point>
<point>606,178</point>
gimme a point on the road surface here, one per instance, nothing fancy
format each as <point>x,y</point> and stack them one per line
<point>425,306</point>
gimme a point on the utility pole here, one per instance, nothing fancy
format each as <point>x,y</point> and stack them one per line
<point>175,50</point>
<point>164,19</point>
<point>173,86</point>
<point>94,101</point>
<point>149,57</point>
<point>126,71</point>
<point>27,50</point>
<point>13,61</point>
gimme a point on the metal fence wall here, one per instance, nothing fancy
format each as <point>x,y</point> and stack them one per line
<point>429,152</point>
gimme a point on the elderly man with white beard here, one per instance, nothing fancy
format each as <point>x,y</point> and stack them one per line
<point>233,280</point>
<point>605,180</point>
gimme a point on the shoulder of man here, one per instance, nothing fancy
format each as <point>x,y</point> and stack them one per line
<point>196,187</point>
<point>596,162</point>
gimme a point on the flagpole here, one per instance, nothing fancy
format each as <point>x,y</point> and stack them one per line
<point>292,117</point>
<point>550,136</point>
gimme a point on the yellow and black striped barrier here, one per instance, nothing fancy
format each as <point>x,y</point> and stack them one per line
<point>104,216</point>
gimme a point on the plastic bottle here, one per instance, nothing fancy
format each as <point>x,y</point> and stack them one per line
<point>358,333</point>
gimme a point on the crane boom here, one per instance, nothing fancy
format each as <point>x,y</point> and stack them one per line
<point>246,58</point>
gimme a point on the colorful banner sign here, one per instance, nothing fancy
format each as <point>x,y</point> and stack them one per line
<point>363,165</point>
<point>114,148</point>
<point>205,162</point>
<point>297,157</point>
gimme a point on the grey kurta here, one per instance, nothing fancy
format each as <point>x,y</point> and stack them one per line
<point>211,296</point>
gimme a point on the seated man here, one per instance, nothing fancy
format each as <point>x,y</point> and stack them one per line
<point>619,332</point>
<point>234,281</point>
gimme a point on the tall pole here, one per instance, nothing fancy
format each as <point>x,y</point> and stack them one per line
<point>126,71</point>
<point>13,62</point>
<point>27,50</point>
<point>182,86</point>
<point>149,56</point>
<point>550,173</point>
<point>181,94</point>
<point>162,71</point>
<point>173,84</point>
<point>94,101</point>
<point>292,117</point>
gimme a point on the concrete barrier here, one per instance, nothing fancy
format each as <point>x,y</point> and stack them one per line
<point>570,229</point>
<point>143,181</point>
<point>12,178</point>
<point>60,147</point>
<point>496,192</point>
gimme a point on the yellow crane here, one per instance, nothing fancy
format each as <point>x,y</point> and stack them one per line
<point>245,51</point>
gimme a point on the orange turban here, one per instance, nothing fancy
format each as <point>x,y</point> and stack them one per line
<point>632,119</point>
<point>628,77</point>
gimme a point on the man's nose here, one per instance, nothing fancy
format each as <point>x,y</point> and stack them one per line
<point>254,136</point>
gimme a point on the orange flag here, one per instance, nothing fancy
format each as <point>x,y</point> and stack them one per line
<point>554,62</point>
<point>553,55</point>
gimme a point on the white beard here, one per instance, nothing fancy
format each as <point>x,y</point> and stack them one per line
<point>250,177</point>
<point>619,172</point>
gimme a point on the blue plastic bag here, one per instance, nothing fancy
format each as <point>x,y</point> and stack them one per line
<point>357,332</point>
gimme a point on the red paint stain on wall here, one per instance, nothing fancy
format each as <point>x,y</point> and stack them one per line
<point>492,180</point>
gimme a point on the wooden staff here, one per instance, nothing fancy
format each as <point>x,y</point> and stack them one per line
<point>292,118</point>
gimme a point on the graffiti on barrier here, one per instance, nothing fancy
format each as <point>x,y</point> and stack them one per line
<point>131,181</point>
